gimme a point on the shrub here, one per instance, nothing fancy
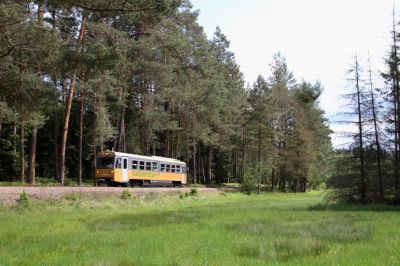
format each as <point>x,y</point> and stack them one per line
<point>72,197</point>
<point>250,181</point>
<point>126,195</point>
<point>193,191</point>
<point>23,200</point>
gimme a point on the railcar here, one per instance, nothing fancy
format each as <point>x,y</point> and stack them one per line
<point>117,168</point>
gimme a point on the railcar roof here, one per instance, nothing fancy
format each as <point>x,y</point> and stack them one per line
<point>150,158</point>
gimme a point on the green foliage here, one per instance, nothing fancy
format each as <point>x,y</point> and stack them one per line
<point>23,200</point>
<point>249,184</point>
<point>126,194</point>
<point>72,197</point>
<point>150,82</point>
<point>193,191</point>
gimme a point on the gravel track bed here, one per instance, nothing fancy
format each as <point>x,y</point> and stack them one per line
<point>9,195</point>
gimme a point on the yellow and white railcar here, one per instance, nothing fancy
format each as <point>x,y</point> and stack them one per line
<point>124,168</point>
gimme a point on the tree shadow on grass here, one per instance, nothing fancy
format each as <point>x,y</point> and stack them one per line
<point>341,207</point>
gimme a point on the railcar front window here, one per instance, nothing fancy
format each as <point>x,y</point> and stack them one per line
<point>105,163</point>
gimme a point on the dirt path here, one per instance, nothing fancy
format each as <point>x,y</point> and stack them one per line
<point>9,195</point>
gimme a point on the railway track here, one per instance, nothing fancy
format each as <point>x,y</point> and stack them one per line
<point>9,194</point>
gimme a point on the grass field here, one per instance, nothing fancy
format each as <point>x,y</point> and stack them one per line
<point>229,229</point>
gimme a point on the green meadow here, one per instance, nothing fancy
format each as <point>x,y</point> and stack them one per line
<point>223,229</point>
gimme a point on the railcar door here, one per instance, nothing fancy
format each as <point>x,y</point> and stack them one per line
<point>183,170</point>
<point>125,169</point>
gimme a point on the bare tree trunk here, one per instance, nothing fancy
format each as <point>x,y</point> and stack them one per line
<point>94,137</point>
<point>194,164</point>
<point>202,168</point>
<point>273,179</point>
<point>14,174</point>
<point>68,103</point>
<point>32,156</point>
<point>55,107</point>
<point>21,150</point>
<point>259,160</point>
<point>360,131</point>
<point>243,154</point>
<point>40,13</point>
<point>234,164</point>
<point>396,95</point>
<point>378,146</point>
<point>55,132</point>
<point>177,153</point>
<point>81,117</point>
<point>121,139</point>
<point>209,164</point>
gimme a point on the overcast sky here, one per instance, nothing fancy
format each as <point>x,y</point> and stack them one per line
<point>319,38</point>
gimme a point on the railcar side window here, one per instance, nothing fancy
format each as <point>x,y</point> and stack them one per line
<point>178,168</point>
<point>173,168</point>
<point>125,163</point>
<point>118,163</point>
<point>163,167</point>
<point>168,168</point>
<point>154,166</point>
<point>148,166</point>
<point>135,164</point>
<point>141,165</point>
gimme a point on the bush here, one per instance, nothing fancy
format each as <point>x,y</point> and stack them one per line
<point>72,197</point>
<point>193,191</point>
<point>249,184</point>
<point>125,195</point>
<point>23,200</point>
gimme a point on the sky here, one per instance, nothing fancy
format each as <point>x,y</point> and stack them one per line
<point>318,38</point>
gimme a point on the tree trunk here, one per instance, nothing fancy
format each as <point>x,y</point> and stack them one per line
<point>376,133</point>
<point>396,104</point>
<point>21,151</point>
<point>81,117</point>
<point>194,165</point>
<point>273,179</point>
<point>55,132</point>
<point>32,156</point>
<point>243,154</point>
<point>360,131</point>
<point>202,168</point>
<point>14,174</point>
<point>94,138</point>
<point>259,160</point>
<point>68,103</point>
<point>209,164</point>
<point>40,13</point>
<point>121,139</point>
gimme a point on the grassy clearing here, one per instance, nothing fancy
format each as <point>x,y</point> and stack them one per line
<point>228,229</point>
